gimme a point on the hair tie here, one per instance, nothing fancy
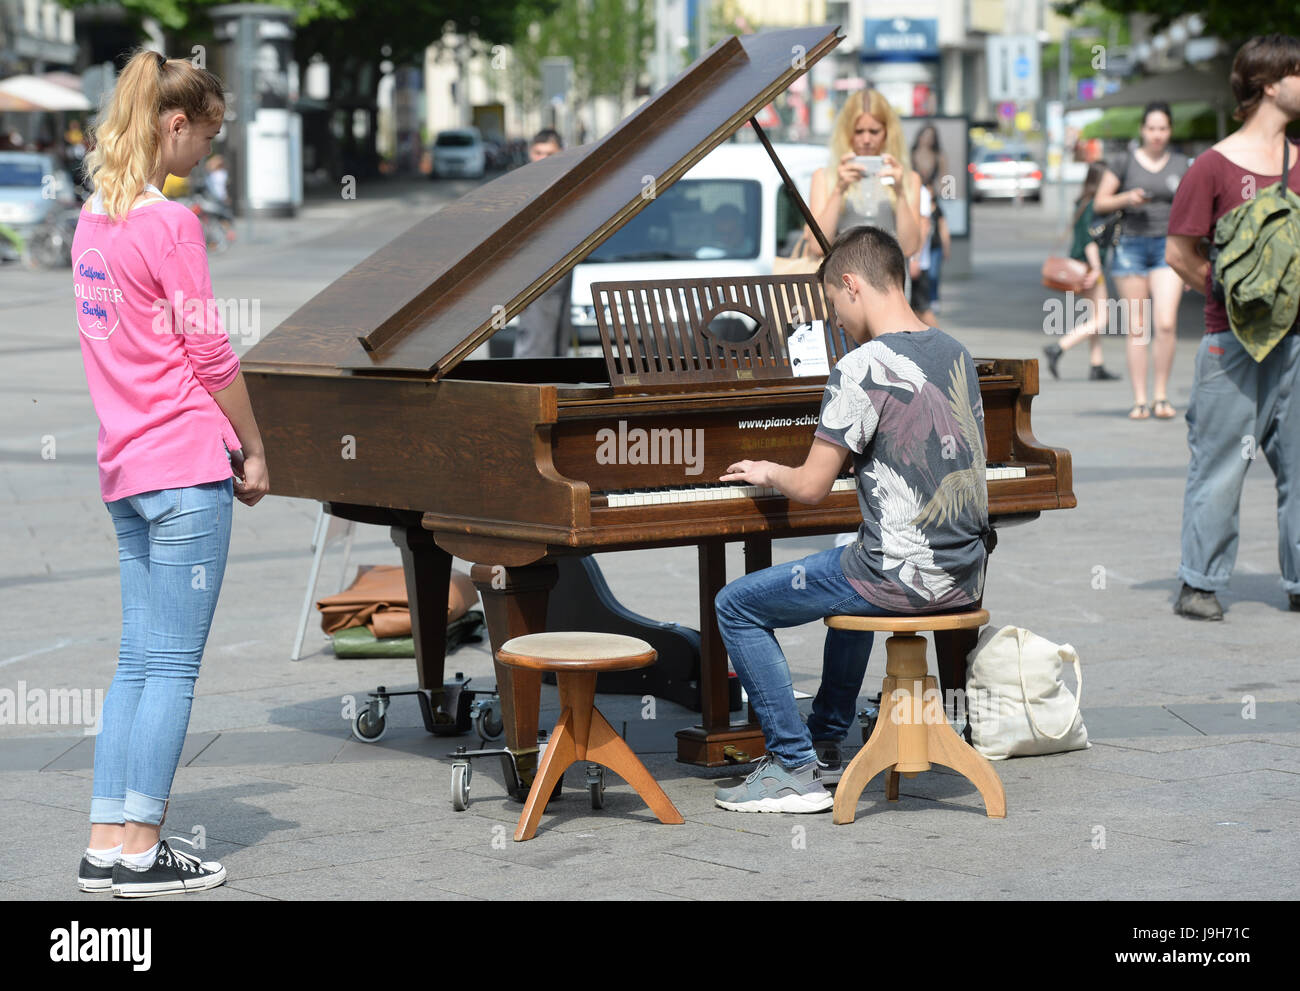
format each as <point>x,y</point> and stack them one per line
<point>162,60</point>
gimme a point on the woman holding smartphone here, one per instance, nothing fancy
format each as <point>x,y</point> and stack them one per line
<point>175,425</point>
<point>1142,184</point>
<point>867,180</point>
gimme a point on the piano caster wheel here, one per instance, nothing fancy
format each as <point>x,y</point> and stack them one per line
<point>369,726</point>
<point>487,720</point>
<point>460,775</point>
<point>596,785</point>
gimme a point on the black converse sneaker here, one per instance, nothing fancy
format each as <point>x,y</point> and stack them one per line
<point>172,872</point>
<point>94,877</point>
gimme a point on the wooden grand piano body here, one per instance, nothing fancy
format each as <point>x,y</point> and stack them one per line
<point>367,400</point>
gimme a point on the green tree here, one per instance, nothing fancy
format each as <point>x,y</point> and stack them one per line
<point>1230,20</point>
<point>610,42</point>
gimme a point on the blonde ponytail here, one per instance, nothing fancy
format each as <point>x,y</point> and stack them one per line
<point>126,148</point>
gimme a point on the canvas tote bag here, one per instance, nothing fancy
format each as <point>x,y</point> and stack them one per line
<point>1017,703</point>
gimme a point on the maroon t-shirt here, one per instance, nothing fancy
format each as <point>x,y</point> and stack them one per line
<point>1212,187</point>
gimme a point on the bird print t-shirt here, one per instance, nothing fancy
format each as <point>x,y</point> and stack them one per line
<point>908,406</point>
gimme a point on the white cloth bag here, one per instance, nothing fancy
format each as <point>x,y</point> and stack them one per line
<point>1016,701</point>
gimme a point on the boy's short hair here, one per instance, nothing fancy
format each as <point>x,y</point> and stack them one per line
<point>870,253</point>
<point>546,136</point>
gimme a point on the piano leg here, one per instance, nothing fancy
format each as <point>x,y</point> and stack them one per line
<point>514,604</point>
<point>428,579</point>
<point>704,744</point>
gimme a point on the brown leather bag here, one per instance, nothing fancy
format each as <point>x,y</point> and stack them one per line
<point>1064,274</point>
<point>377,599</point>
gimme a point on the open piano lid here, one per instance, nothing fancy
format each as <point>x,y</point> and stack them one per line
<point>425,301</point>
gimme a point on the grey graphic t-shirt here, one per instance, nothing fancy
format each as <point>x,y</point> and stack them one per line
<point>908,406</point>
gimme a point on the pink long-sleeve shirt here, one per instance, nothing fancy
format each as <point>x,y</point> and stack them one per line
<point>154,349</point>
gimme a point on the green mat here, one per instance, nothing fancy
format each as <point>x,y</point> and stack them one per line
<point>360,642</point>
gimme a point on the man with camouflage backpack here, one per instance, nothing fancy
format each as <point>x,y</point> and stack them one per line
<point>1247,366</point>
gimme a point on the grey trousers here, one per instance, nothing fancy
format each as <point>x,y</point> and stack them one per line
<point>1239,409</point>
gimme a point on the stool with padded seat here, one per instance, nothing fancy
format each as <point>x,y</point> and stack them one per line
<point>912,730</point>
<point>582,732</point>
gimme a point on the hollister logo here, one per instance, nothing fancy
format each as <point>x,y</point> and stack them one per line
<point>97,295</point>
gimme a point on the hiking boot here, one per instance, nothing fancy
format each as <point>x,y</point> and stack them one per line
<point>172,872</point>
<point>1197,603</point>
<point>94,877</point>
<point>1053,353</point>
<point>771,788</point>
<point>1098,373</point>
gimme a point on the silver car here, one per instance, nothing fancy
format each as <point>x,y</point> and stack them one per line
<point>32,184</point>
<point>459,152</point>
<point>1006,173</point>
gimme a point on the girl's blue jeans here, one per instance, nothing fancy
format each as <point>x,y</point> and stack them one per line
<point>172,546</point>
<point>750,608</point>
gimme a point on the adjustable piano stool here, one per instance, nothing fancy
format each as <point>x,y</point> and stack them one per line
<point>913,731</point>
<point>582,732</point>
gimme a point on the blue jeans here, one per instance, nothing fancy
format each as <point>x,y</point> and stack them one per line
<point>172,546</point>
<point>1137,255</point>
<point>750,608</point>
<point>1240,409</point>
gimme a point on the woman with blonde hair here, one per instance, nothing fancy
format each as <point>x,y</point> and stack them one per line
<point>175,425</point>
<point>844,195</point>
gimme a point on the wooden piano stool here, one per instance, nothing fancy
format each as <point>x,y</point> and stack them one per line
<point>912,730</point>
<point>582,732</point>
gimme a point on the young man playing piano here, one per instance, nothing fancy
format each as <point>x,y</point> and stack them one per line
<point>905,405</point>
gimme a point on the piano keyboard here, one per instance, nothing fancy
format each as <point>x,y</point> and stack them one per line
<point>742,490</point>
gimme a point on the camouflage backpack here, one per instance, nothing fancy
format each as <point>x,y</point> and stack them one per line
<point>1255,265</point>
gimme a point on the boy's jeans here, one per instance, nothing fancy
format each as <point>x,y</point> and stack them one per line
<point>1240,409</point>
<point>172,547</point>
<point>748,610</point>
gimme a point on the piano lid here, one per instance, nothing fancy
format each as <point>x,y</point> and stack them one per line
<point>425,301</point>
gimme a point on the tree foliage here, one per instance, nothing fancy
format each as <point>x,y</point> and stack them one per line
<point>610,42</point>
<point>1230,20</point>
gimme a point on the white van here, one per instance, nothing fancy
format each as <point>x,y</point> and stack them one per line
<point>728,216</point>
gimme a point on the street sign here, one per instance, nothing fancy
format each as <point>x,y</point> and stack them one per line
<point>1013,67</point>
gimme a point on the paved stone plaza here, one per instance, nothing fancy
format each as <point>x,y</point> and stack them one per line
<point>1179,797</point>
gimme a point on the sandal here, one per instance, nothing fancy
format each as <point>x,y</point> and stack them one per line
<point>1140,411</point>
<point>1161,405</point>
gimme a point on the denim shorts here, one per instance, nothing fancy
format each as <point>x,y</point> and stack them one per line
<point>1136,255</point>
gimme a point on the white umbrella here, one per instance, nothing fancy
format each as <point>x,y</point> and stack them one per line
<point>43,94</point>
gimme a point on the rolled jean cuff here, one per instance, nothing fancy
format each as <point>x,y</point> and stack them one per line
<point>143,808</point>
<point>107,810</point>
<point>1203,582</point>
<point>1290,587</point>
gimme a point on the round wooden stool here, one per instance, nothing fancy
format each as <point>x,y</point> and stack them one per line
<point>582,732</point>
<point>912,730</point>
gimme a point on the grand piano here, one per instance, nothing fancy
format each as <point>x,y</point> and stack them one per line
<point>370,402</point>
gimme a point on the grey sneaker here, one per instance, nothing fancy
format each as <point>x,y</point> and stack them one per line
<point>1196,603</point>
<point>772,788</point>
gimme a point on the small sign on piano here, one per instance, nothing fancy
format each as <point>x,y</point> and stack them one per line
<point>806,345</point>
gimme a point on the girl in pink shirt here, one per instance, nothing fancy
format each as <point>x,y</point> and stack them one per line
<point>177,444</point>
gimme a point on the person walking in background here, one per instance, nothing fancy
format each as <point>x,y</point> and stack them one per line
<point>175,425</point>
<point>1142,184</point>
<point>542,326</point>
<point>940,246</point>
<point>843,195</point>
<point>931,164</point>
<point>1086,249</point>
<point>1239,405</point>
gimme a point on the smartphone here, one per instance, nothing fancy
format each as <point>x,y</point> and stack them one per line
<point>871,164</point>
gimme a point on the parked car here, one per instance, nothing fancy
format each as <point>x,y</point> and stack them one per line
<point>730,215</point>
<point>32,186</point>
<point>459,152</point>
<point>1006,173</point>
